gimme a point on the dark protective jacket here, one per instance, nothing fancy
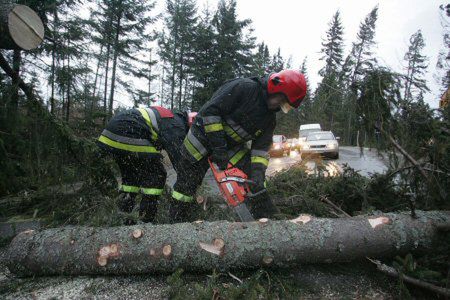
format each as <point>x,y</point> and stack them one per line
<point>236,113</point>
<point>144,131</point>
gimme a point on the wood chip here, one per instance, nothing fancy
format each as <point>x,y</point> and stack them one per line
<point>113,248</point>
<point>104,251</point>
<point>167,250</point>
<point>379,221</point>
<point>200,199</point>
<point>263,220</point>
<point>302,219</point>
<point>72,242</point>
<point>219,243</point>
<point>216,248</point>
<point>102,261</point>
<point>152,252</point>
<point>137,233</point>
<point>267,260</point>
<point>198,222</point>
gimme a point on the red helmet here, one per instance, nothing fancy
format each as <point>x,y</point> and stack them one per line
<point>291,83</point>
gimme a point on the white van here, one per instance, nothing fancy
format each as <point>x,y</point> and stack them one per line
<point>307,128</point>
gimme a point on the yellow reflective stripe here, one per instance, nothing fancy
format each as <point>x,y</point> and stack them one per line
<point>232,134</point>
<point>260,160</point>
<point>145,115</point>
<point>181,197</point>
<point>152,191</point>
<point>129,188</point>
<point>131,148</point>
<point>238,156</point>
<point>213,127</point>
<point>192,150</point>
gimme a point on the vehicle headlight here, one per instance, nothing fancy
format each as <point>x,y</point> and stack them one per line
<point>332,146</point>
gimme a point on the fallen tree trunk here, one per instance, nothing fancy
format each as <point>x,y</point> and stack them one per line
<point>202,246</point>
<point>20,27</point>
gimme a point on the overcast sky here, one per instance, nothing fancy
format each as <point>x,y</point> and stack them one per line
<point>298,27</point>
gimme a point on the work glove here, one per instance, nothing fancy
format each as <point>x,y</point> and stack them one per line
<point>261,206</point>
<point>258,177</point>
<point>219,156</point>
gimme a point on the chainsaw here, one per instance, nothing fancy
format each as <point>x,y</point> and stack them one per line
<point>234,186</point>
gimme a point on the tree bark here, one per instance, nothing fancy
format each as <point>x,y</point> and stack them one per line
<point>202,246</point>
<point>114,66</point>
<point>20,27</point>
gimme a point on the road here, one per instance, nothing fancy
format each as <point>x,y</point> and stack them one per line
<point>365,164</point>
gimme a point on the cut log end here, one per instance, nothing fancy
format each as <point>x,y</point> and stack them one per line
<point>216,248</point>
<point>137,233</point>
<point>24,29</point>
<point>167,250</point>
<point>263,220</point>
<point>267,260</point>
<point>302,219</point>
<point>374,223</point>
<point>102,261</point>
<point>219,243</point>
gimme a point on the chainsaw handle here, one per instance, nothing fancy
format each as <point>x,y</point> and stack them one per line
<point>214,166</point>
<point>252,195</point>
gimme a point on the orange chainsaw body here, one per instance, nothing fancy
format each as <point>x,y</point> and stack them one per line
<point>232,184</point>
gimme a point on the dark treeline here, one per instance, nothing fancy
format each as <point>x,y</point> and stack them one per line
<point>99,55</point>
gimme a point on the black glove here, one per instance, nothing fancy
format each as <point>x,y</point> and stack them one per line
<point>261,206</point>
<point>258,177</point>
<point>219,156</point>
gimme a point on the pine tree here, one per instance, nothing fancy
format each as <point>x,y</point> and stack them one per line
<point>234,46</point>
<point>358,63</point>
<point>176,46</point>
<point>306,113</point>
<point>328,94</point>
<point>277,62</point>
<point>361,56</point>
<point>415,84</point>
<point>121,30</point>
<point>443,62</point>
<point>332,47</point>
<point>205,58</point>
<point>130,37</point>
<point>261,60</point>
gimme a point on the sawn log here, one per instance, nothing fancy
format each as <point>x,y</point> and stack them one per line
<point>20,27</point>
<point>203,246</point>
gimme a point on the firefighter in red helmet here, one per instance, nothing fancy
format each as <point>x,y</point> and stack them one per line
<point>241,110</point>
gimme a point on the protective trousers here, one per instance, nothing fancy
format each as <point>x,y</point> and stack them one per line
<point>144,175</point>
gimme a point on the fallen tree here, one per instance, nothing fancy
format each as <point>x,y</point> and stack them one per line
<point>202,246</point>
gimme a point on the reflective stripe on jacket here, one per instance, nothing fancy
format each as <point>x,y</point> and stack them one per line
<point>134,130</point>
